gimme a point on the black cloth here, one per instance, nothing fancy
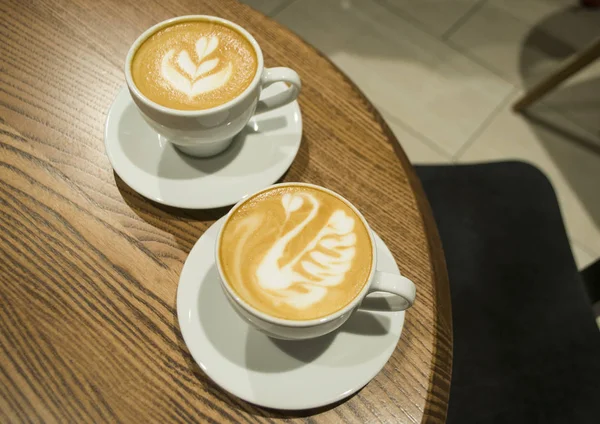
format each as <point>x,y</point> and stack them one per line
<point>591,276</point>
<point>526,345</point>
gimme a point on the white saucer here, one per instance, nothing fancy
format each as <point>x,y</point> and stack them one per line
<point>258,157</point>
<point>275,373</point>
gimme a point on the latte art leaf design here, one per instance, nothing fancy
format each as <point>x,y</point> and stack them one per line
<point>192,82</point>
<point>205,47</point>
<point>322,263</point>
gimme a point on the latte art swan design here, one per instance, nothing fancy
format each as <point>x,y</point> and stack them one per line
<point>194,80</point>
<point>322,263</point>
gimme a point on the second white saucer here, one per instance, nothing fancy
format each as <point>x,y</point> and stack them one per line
<point>278,373</point>
<point>153,167</point>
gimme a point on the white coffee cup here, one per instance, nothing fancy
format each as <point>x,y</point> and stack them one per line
<point>210,131</point>
<point>402,289</point>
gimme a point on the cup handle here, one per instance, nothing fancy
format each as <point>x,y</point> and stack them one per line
<point>402,288</point>
<point>273,75</point>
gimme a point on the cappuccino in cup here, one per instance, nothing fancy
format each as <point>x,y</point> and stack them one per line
<point>296,252</point>
<point>194,65</point>
<point>198,80</point>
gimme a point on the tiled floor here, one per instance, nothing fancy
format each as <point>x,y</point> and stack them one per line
<point>444,74</point>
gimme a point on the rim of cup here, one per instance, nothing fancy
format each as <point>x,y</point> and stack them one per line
<point>225,106</point>
<point>290,322</point>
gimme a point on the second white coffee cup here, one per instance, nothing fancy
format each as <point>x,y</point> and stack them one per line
<point>208,132</point>
<point>402,289</point>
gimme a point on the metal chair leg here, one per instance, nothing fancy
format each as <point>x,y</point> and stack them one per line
<point>571,65</point>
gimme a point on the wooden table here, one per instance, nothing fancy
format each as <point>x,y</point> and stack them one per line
<point>89,269</point>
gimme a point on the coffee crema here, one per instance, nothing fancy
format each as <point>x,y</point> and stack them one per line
<point>296,252</point>
<point>194,65</point>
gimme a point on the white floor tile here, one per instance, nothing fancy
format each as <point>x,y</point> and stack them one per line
<point>327,25</point>
<point>407,73</point>
<point>417,149</point>
<point>501,42</point>
<point>558,147</point>
<point>435,16</point>
<point>436,95</point>
<point>583,258</point>
<point>506,38</point>
<point>533,11</point>
<point>265,6</point>
<point>564,19</point>
<point>525,40</point>
<point>579,98</point>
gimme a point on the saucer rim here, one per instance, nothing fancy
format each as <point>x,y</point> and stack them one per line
<point>298,406</point>
<point>205,205</point>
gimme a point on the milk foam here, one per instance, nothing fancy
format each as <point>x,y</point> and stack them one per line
<point>193,84</point>
<point>296,252</point>
<point>318,269</point>
<point>194,65</point>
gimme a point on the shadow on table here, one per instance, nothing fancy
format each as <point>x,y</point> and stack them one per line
<point>187,225</point>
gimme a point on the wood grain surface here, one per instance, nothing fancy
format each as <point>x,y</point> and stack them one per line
<point>89,269</point>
